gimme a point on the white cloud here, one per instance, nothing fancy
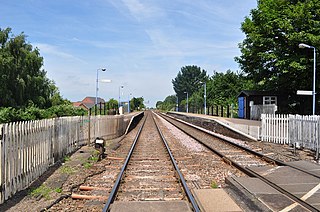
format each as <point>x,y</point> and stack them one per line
<point>56,51</point>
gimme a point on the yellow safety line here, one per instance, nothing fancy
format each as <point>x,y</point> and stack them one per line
<point>304,197</point>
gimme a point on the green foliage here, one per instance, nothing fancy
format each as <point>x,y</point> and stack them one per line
<point>270,53</point>
<point>87,165</point>
<point>189,79</point>
<point>33,113</point>
<point>67,170</point>
<point>93,158</point>
<point>137,103</point>
<point>168,104</point>
<point>112,104</point>
<point>58,190</point>
<point>22,79</point>
<point>42,191</point>
<point>66,158</point>
<point>223,88</point>
<point>214,184</point>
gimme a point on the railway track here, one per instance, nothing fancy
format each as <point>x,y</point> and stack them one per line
<point>149,175</point>
<point>241,157</point>
<point>150,172</point>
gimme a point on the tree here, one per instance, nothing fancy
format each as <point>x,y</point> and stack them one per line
<point>137,103</point>
<point>270,54</point>
<point>189,79</point>
<point>22,79</point>
<point>223,88</point>
<point>168,104</point>
<point>112,104</point>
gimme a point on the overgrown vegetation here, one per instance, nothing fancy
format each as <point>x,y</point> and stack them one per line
<point>214,184</point>
<point>10,114</point>
<point>41,191</point>
<point>67,170</point>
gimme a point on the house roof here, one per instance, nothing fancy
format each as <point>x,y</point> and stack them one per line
<point>257,93</point>
<point>88,102</point>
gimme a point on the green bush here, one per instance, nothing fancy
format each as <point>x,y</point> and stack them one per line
<point>31,112</point>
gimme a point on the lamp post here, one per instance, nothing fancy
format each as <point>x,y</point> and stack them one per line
<point>97,83</point>
<point>121,86</point>
<point>129,102</point>
<point>187,101</point>
<point>205,97</point>
<point>177,104</point>
<point>302,45</point>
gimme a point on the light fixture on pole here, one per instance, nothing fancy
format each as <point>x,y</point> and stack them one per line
<point>119,105</point>
<point>302,45</point>
<point>129,102</point>
<point>205,97</point>
<point>97,84</point>
<point>187,101</point>
<point>177,104</point>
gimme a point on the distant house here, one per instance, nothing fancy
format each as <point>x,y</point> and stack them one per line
<point>88,102</point>
<point>251,104</point>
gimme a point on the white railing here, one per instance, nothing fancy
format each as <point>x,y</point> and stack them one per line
<point>304,131</point>
<point>295,130</point>
<point>275,128</point>
<point>28,148</point>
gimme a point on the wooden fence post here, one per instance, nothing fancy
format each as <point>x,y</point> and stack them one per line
<point>221,111</point>
<point>228,112</point>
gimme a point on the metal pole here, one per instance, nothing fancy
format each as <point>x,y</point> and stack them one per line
<point>187,103</point>
<point>205,98</point>
<point>314,82</point>
<point>97,81</point>
<point>177,104</point>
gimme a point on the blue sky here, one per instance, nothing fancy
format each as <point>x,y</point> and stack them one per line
<point>142,43</point>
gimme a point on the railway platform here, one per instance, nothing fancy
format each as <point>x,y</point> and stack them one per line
<point>234,127</point>
<point>300,184</point>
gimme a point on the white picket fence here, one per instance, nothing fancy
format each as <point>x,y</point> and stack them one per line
<point>296,130</point>
<point>28,148</point>
<point>275,128</point>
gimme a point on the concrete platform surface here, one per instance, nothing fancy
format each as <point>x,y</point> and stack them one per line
<point>307,166</point>
<point>248,128</point>
<point>267,195</point>
<point>215,200</point>
<point>151,206</point>
<point>300,184</point>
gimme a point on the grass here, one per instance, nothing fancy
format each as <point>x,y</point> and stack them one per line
<point>42,191</point>
<point>67,170</point>
<point>87,165</point>
<point>66,158</point>
<point>214,184</point>
<point>58,190</point>
<point>94,158</point>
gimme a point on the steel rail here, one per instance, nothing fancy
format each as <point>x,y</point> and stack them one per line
<point>174,163</point>
<point>249,172</point>
<point>117,183</point>
<point>261,155</point>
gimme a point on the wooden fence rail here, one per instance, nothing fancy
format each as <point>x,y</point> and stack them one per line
<point>295,130</point>
<point>28,148</point>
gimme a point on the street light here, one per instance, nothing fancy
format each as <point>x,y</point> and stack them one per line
<point>205,97</point>
<point>129,102</point>
<point>302,45</point>
<point>177,104</point>
<point>187,101</point>
<point>121,86</point>
<point>97,83</point>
